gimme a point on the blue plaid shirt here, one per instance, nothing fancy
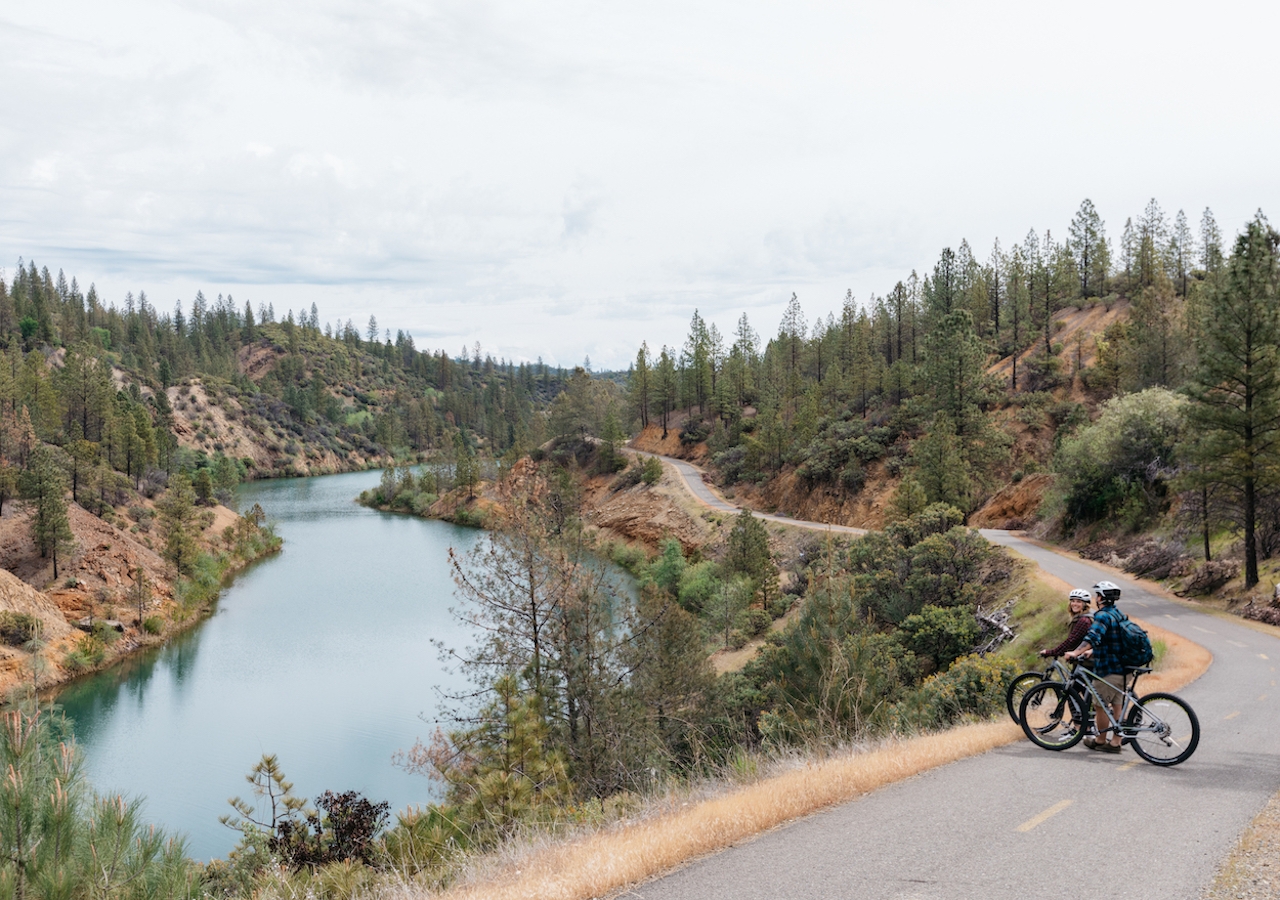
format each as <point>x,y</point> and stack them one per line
<point>1104,638</point>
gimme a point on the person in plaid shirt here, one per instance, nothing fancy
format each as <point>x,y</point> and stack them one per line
<point>1078,604</point>
<point>1101,645</point>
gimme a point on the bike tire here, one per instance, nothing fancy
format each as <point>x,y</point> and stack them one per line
<point>1016,690</point>
<point>1177,734</point>
<point>1050,717</point>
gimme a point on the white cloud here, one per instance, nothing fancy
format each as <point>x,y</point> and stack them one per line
<point>546,178</point>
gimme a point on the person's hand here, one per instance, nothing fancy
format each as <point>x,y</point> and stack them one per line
<point>1044,652</point>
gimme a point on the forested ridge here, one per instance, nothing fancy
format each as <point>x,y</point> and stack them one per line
<point>962,381</point>
<point>341,388</point>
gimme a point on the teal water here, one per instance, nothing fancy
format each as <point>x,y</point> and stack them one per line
<point>320,655</point>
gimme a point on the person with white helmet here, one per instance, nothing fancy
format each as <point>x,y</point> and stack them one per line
<point>1102,645</point>
<point>1081,621</point>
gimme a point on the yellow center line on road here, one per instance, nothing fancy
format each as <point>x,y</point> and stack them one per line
<point>1130,765</point>
<point>1045,816</point>
<point>1144,605</point>
<point>1237,643</point>
<point>1263,697</point>
<point>1263,655</point>
<point>1231,715</point>
<point>1205,630</point>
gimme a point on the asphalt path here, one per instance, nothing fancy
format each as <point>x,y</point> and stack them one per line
<point>692,478</point>
<point>1021,822</point>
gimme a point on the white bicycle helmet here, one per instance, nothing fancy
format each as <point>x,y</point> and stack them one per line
<point>1079,594</point>
<point>1107,592</point>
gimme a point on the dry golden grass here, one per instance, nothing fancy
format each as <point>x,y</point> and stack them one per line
<point>611,859</point>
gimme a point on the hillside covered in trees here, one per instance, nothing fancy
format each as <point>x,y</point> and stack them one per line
<point>122,428</point>
<point>958,384</point>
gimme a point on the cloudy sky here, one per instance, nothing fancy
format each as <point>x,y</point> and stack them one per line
<point>564,179</point>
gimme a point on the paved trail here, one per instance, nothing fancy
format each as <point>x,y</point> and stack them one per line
<point>1021,822</point>
<point>691,477</point>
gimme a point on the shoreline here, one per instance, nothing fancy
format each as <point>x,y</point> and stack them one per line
<point>180,615</point>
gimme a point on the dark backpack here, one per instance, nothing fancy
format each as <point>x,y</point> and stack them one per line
<point>1135,646</point>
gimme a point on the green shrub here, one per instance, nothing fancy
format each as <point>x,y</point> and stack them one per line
<point>18,628</point>
<point>698,583</point>
<point>632,559</point>
<point>1124,459</point>
<point>938,634</point>
<point>105,633</point>
<point>973,688</point>
<point>468,518</point>
<point>652,473</point>
<point>758,622</point>
<point>89,652</point>
<point>153,625</point>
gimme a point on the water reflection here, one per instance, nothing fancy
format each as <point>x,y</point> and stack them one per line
<point>320,655</point>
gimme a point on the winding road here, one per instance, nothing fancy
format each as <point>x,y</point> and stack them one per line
<point>1020,822</point>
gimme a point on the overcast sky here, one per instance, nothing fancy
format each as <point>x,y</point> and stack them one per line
<point>565,179</point>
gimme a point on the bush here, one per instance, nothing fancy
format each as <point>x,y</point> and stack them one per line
<point>694,433</point>
<point>758,622</point>
<point>973,688</point>
<point>18,628</point>
<point>153,625</point>
<point>938,635</point>
<point>698,583</point>
<point>468,518</point>
<point>629,478</point>
<point>89,652</point>
<point>652,470</point>
<point>1123,460</point>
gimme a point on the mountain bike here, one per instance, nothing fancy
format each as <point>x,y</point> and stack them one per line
<point>1162,728</point>
<point>1056,671</point>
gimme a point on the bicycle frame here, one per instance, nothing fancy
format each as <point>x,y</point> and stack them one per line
<point>1083,677</point>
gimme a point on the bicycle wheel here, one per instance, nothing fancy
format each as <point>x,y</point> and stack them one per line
<point>1017,688</point>
<point>1163,728</point>
<point>1050,717</point>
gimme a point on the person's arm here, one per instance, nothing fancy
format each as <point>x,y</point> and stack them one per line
<point>1079,628</point>
<point>1084,651</point>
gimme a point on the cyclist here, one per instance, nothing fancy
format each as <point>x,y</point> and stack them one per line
<point>1078,604</point>
<point>1101,644</point>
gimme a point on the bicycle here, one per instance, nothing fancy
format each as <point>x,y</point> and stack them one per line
<point>1162,728</point>
<point>1056,671</point>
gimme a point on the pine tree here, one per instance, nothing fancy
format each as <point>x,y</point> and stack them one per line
<point>748,553</point>
<point>177,515</point>
<point>1236,383</point>
<point>640,385</point>
<point>1088,242</point>
<point>44,487</point>
<point>1181,252</point>
<point>1210,243</point>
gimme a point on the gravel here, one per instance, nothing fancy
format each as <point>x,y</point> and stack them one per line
<point>1252,871</point>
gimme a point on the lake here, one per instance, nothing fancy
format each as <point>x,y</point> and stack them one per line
<point>321,655</point>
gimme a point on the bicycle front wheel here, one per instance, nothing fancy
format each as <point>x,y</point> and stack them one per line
<point>1050,717</point>
<point>1163,728</point>
<point>1017,690</point>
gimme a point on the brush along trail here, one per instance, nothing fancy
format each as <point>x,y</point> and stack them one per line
<point>1009,823</point>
